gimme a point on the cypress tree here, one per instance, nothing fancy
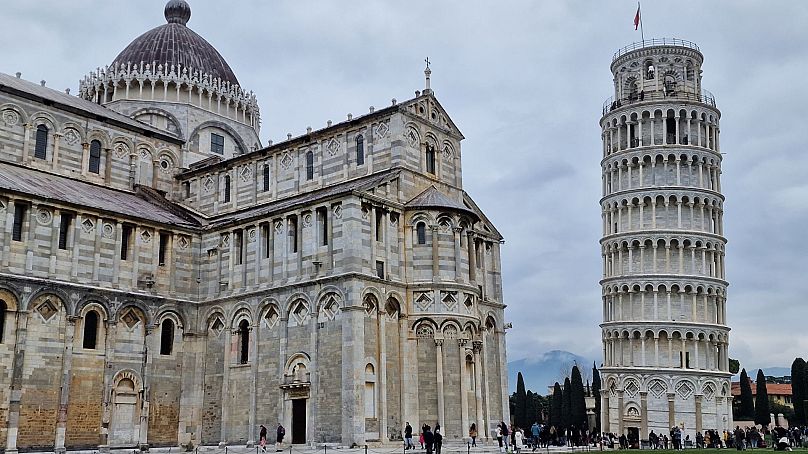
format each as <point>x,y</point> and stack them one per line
<point>577,400</point>
<point>762,414</point>
<point>521,401</point>
<point>555,406</point>
<point>798,391</point>
<point>596,395</point>
<point>747,401</point>
<point>531,410</point>
<point>566,406</point>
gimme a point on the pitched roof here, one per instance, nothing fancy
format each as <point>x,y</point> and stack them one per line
<point>329,192</point>
<point>61,100</point>
<point>42,185</point>
<point>432,198</point>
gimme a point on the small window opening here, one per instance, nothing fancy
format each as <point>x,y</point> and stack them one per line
<point>216,143</point>
<point>309,165</point>
<point>226,189</point>
<point>90,330</point>
<point>420,230</point>
<point>238,247</point>
<point>266,177</point>
<point>380,269</point>
<point>19,219</point>
<point>186,187</point>
<point>161,255</point>
<point>379,224</point>
<point>293,234</point>
<point>360,150</point>
<point>64,229</point>
<point>167,337</point>
<point>244,341</point>
<point>94,165</point>
<point>126,239</point>
<point>41,144</point>
<point>267,240</point>
<point>3,309</point>
<point>430,159</point>
<point>322,217</point>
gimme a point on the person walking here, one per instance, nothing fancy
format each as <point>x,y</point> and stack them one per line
<point>535,432</point>
<point>421,435</point>
<point>499,438</point>
<point>262,437</point>
<point>473,434</point>
<point>281,432</point>
<point>429,439</point>
<point>408,437</point>
<point>438,438</point>
<point>505,434</point>
<point>518,440</point>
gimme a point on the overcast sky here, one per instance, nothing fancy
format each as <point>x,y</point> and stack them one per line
<point>524,81</point>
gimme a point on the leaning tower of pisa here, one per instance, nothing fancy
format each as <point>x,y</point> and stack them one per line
<point>665,337</point>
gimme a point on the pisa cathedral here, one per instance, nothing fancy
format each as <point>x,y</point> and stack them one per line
<point>665,333</point>
<point>166,279</point>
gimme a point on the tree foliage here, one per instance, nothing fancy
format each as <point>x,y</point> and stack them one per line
<point>734,366</point>
<point>798,391</point>
<point>566,406</point>
<point>762,413</point>
<point>556,403</point>
<point>577,400</point>
<point>521,401</point>
<point>747,410</point>
<point>596,394</point>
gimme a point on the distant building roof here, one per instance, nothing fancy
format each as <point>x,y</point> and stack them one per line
<point>773,389</point>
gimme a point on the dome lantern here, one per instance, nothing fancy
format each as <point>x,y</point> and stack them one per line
<point>178,12</point>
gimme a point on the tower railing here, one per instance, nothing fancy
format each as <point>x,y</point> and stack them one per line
<point>611,104</point>
<point>653,43</point>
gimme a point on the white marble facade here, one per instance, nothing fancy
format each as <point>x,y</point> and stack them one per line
<point>665,337</point>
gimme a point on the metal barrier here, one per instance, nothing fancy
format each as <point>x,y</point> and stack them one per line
<point>655,42</point>
<point>704,97</point>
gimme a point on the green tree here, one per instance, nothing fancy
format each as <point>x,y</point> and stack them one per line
<point>556,402</point>
<point>531,409</point>
<point>596,395</point>
<point>798,391</point>
<point>747,410</point>
<point>762,413</point>
<point>734,366</point>
<point>577,400</point>
<point>521,401</point>
<point>566,405</point>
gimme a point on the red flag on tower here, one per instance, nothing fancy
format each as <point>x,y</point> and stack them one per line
<point>637,17</point>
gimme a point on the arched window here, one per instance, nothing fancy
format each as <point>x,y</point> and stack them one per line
<point>309,165</point>
<point>649,70</point>
<point>41,144</point>
<point>420,230</point>
<point>243,341</point>
<point>360,150</point>
<point>90,330</point>
<point>266,177</point>
<point>226,188</point>
<point>370,391</point>
<point>430,159</point>
<point>167,337</point>
<point>94,165</point>
<point>3,309</point>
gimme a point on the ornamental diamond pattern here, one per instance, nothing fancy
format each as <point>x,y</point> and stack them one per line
<point>684,390</point>
<point>632,388</point>
<point>87,225</point>
<point>382,130</point>
<point>657,388</point>
<point>286,161</point>
<point>709,391</point>
<point>47,310</point>
<point>246,173</point>
<point>208,184</point>
<point>333,147</point>
<point>121,150</point>
<point>145,236</point>
<point>71,137</point>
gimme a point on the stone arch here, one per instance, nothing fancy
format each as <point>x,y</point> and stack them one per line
<point>145,310</point>
<point>61,295</point>
<point>297,366</point>
<point>156,111</point>
<point>241,311</point>
<point>223,126</point>
<point>21,115</point>
<point>42,117</point>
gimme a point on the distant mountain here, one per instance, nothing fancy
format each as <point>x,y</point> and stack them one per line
<point>767,371</point>
<point>543,370</point>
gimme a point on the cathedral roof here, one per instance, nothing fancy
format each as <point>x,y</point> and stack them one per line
<point>175,44</point>
<point>431,198</point>
<point>47,186</point>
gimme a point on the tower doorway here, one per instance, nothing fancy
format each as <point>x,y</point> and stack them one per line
<point>124,424</point>
<point>299,421</point>
<point>633,438</point>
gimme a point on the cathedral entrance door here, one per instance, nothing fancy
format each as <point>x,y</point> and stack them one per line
<point>123,427</point>
<point>299,421</point>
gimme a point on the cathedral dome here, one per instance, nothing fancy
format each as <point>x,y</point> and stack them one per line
<point>175,44</point>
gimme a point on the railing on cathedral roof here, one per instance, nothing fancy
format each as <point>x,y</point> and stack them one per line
<point>704,97</point>
<point>99,79</point>
<point>655,43</point>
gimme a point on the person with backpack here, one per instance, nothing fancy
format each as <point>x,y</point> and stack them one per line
<point>281,432</point>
